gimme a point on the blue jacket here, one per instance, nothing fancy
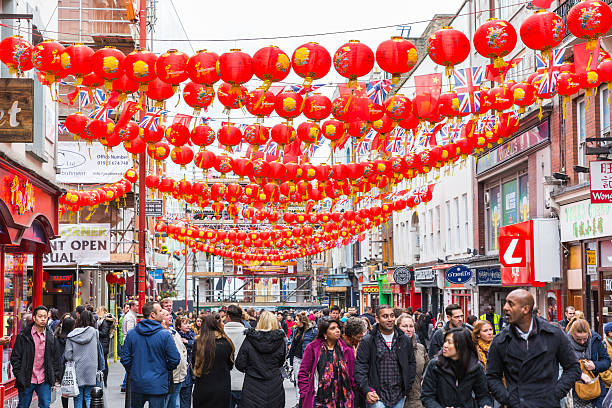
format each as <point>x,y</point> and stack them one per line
<point>601,359</point>
<point>149,355</point>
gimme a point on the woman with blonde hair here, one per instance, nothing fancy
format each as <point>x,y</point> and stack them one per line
<point>405,322</point>
<point>213,359</point>
<point>482,335</point>
<point>261,358</point>
<point>591,352</point>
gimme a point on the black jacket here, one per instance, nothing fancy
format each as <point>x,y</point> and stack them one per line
<point>441,388</point>
<point>106,330</point>
<point>22,359</point>
<point>366,364</point>
<point>530,369</point>
<point>261,358</point>
<point>437,340</point>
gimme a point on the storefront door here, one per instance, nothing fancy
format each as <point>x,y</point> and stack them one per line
<point>465,301</point>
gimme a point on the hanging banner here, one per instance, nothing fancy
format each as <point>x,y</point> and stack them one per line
<point>82,244</point>
<point>79,162</point>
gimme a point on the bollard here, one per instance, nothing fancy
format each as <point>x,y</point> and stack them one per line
<point>97,398</point>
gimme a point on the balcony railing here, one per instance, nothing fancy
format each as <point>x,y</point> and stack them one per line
<point>81,21</point>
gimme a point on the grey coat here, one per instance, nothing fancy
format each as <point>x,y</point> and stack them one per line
<point>83,347</point>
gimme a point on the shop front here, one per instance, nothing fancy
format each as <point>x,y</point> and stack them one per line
<point>458,284</point>
<point>586,233</point>
<point>28,223</point>
<point>369,297</point>
<point>384,289</point>
<point>426,285</point>
<point>490,290</point>
<point>338,289</point>
<point>402,287</point>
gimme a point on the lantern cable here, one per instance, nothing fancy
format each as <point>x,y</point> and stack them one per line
<point>356,30</point>
<point>182,26</point>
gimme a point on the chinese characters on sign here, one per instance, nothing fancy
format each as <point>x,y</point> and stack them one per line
<point>19,194</point>
<point>601,181</point>
<point>584,220</point>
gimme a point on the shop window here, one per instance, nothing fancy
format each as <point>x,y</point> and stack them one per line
<point>493,217</point>
<point>604,111</point>
<point>523,198</point>
<point>17,297</point>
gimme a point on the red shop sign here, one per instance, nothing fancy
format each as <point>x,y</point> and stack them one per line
<point>516,254</point>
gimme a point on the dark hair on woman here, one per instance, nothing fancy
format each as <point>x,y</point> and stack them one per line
<point>85,319</point>
<point>64,328</point>
<point>466,350</point>
<point>54,314</point>
<point>206,344</point>
<point>324,326</point>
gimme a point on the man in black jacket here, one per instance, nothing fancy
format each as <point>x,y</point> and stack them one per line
<point>385,366</point>
<point>524,358</point>
<point>454,314</point>
<point>35,361</point>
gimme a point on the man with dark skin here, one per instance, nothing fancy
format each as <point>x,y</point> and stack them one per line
<point>524,358</point>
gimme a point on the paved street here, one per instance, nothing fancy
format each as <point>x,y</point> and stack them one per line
<point>116,399</point>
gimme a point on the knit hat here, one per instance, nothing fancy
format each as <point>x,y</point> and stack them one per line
<point>312,317</point>
<point>608,328</point>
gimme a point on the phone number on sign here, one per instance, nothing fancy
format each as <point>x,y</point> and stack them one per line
<point>113,163</point>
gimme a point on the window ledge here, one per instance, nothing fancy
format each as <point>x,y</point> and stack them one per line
<point>32,152</point>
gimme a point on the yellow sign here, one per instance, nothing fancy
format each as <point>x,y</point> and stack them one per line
<point>591,257</point>
<point>370,289</point>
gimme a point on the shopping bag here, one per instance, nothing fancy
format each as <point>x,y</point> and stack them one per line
<point>70,388</point>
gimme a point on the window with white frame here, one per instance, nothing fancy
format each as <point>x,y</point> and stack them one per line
<point>604,110</point>
<point>447,220</point>
<point>581,134</point>
<point>430,251</point>
<point>456,219</point>
<point>437,232</point>
<point>465,241</point>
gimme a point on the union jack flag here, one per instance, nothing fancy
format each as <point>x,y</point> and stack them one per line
<point>61,128</point>
<point>99,97</point>
<point>486,123</point>
<point>100,113</point>
<point>419,193</point>
<point>408,141</point>
<point>151,119</point>
<point>314,147</point>
<point>549,81</point>
<point>303,90</point>
<point>364,145</point>
<point>442,137</point>
<point>206,120</point>
<point>377,90</point>
<point>454,131</point>
<point>467,83</point>
<point>271,148</point>
<point>396,143</point>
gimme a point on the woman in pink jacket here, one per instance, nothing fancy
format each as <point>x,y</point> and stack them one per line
<point>326,378</point>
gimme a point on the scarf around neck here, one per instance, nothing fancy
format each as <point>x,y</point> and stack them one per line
<point>583,351</point>
<point>483,349</point>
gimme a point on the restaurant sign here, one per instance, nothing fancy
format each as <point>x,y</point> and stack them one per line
<point>16,110</point>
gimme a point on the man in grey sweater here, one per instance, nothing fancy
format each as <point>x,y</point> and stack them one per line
<point>235,331</point>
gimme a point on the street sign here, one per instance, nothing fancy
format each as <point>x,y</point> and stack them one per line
<point>154,207</point>
<point>512,251</point>
<point>600,172</point>
<point>401,276</point>
<point>458,274</point>
<point>591,262</point>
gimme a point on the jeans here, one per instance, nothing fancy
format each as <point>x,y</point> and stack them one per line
<point>235,399</point>
<point>172,399</point>
<point>43,392</point>
<point>380,404</point>
<point>124,383</point>
<point>155,401</point>
<point>185,396</point>
<point>84,394</point>
<point>297,362</point>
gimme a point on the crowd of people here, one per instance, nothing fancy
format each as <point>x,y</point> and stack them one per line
<point>389,358</point>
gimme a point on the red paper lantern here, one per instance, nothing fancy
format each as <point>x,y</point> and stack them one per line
<point>97,129</point>
<point>202,135</point>
<point>398,107</point>
<point>139,66</point>
<point>229,136</point>
<point>448,47</point>
<point>568,84</point>
<point>358,129</point>
<point>261,103</point>
<point>16,54</point>
<point>311,61</point>
<point>107,63</point>
<point>171,67</point>
<point>76,123</point>
<point>198,96</point>
<point>135,146</point>
<point>46,58</point>
<point>177,134</point>
<point>317,107</point>
<point>232,97</point>
<point>495,39</point>
<point>411,122</point>
<point>523,93</point>
<point>205,159</point>
<point>333,129</point>
<point>131,175</point>
<point>223,164</point>
<point>124,86</point>
<point>271,64</point>
<point>235,67</point>
<point>159,91</point>
<point>352,60</point>
<point>283,134</point>
<point>92,80</point>
<point>604,69</point>
<point>448,105</point>
<point>309,132</point>
<point>158,151</point>
<point>396,56</point>
<point>288,105</point>
<point>182,155</point>
<point>128,132</point>
<point>153,135</point>
<point>202,68</point>
<point>589,19</point>
<point>256,135</point>
<point>77,61</point>
<point>542,31</point>
<point>502,98</point>
<point>383,125</point>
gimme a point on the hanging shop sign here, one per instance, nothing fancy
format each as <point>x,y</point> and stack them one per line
<point>82,244</point>
<point>16,110</point>
<point>585,220</point>
<point>425,277</point>
<point>488,276</point>
<point>79,162</point>
<point>529,252</point>
<point>370,289</point>
<point>458,274</point>
<point>600,173</point>
<point>402,276</point>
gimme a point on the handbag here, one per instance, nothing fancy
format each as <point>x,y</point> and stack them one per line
<point>588,391</point>
<point>69,387</point>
